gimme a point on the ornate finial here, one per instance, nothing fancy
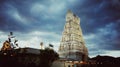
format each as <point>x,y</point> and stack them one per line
<point>69,11</point>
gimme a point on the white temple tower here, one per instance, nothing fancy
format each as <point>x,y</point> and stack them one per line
<point>72,45</point>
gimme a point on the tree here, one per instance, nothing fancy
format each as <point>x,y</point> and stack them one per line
<point>47,56</point>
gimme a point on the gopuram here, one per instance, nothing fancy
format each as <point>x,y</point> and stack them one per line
<point>72,45</point>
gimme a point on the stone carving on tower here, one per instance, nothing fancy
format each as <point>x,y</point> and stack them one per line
<point>72,45</point>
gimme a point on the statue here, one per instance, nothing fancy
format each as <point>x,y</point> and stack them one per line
<point>10,44</point>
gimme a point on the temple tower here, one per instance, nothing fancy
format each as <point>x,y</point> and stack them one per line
<point>72,45</point>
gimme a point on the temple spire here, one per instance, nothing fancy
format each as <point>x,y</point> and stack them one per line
<point>72,41</point>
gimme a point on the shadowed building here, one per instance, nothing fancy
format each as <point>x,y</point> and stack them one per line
<point>72,45</point>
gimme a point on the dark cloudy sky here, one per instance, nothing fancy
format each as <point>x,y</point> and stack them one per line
<point>35,21</point>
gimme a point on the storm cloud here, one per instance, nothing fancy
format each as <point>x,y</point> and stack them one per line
<point>30,19</point>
